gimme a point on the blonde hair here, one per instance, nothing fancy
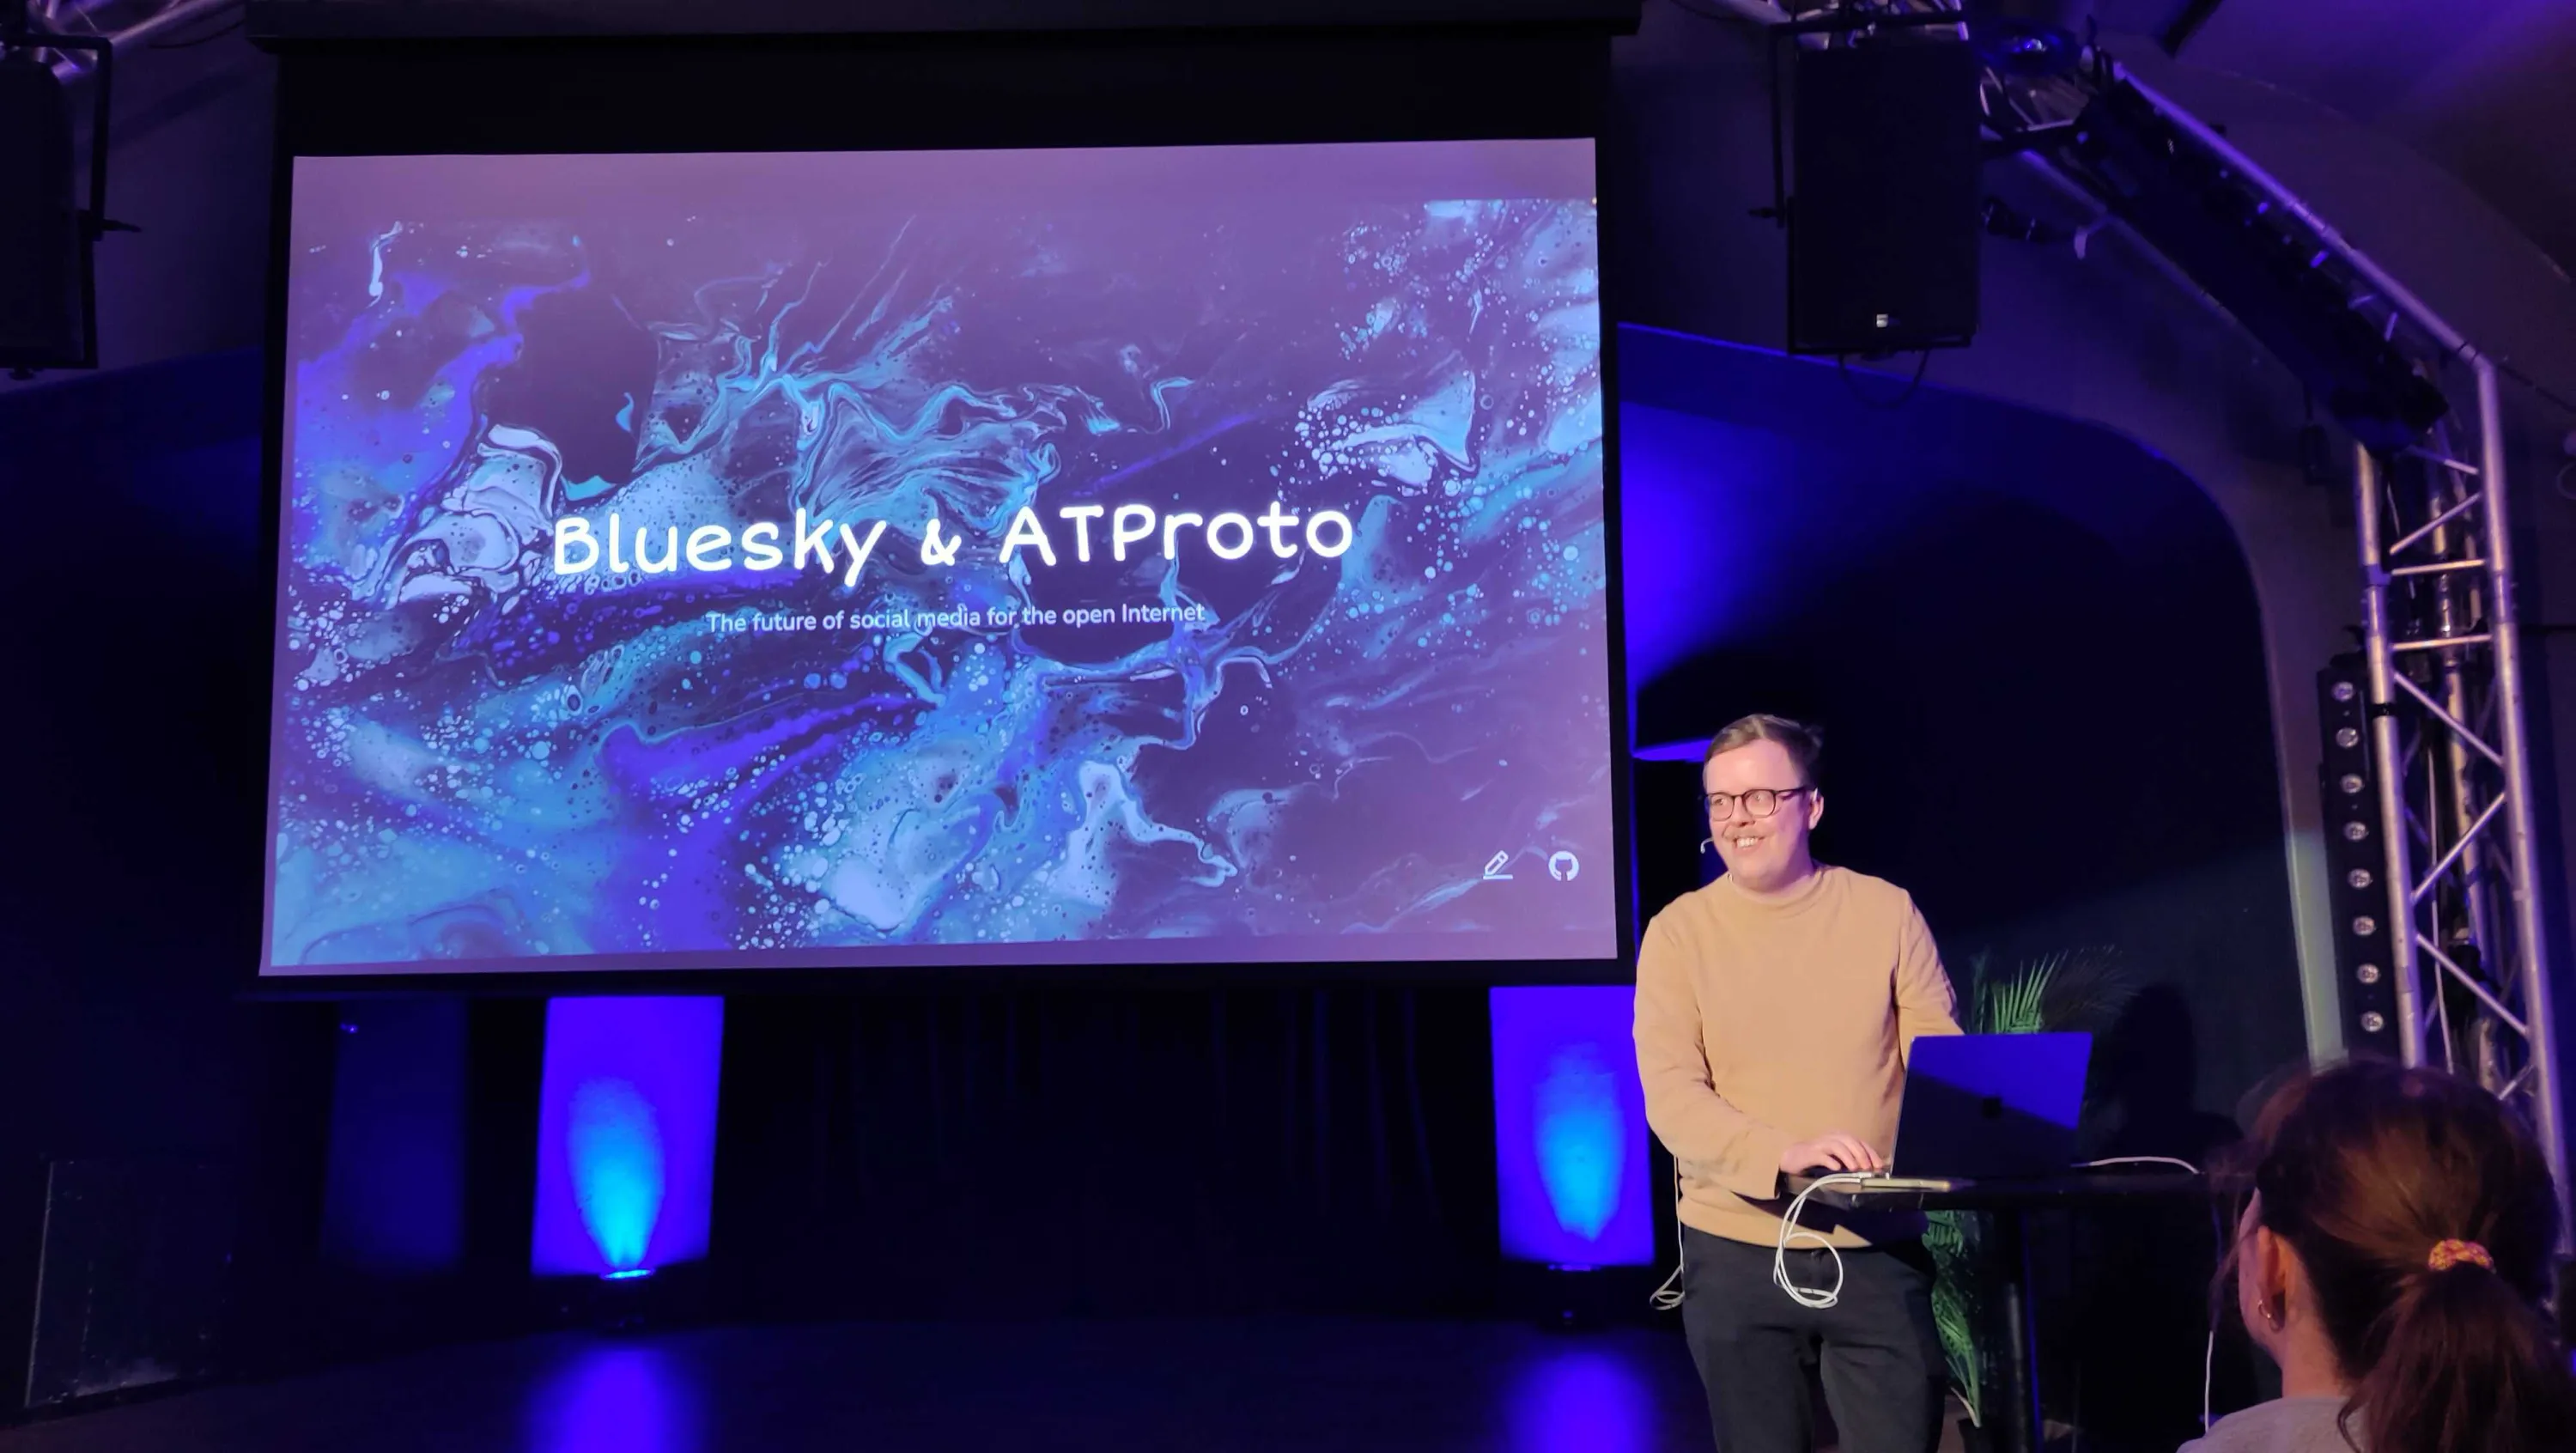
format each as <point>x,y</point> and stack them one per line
<point>1805,744</point>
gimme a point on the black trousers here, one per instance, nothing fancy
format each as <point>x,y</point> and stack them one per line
<point>1884,1375</point>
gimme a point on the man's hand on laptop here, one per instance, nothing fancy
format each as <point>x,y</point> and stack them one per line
<point>1831,1151</point>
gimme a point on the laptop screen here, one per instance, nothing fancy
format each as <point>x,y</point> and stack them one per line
<point>1991,1104</point>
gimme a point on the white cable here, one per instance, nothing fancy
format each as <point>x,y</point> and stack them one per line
<point>2137,1160</point>
<point>1668,1298</point>
<point>1810,1297</point>
<point>1822,1299</point>
<point>2208,1373</point>
<point>2209,1347</point>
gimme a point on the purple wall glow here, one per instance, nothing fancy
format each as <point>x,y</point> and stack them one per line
<point>626,1134</point>
<point>394,1198</point>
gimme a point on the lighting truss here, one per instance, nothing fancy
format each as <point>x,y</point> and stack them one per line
<point>94,24</point>
<point>2448,741</point>
<point>2448,744</point>
<point>2463,931</point>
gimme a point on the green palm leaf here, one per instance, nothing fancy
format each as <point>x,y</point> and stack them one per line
<point>1952,1239</point>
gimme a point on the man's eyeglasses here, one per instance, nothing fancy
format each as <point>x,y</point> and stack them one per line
<point>1760,802</point>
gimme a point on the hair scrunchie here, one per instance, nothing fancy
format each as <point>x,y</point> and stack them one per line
<point>2448,1254</point>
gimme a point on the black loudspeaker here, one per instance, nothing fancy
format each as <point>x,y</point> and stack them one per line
<point>1883,206</point>
<point>40,227</point>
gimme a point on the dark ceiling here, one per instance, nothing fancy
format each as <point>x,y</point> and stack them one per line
<point>2487,92</point>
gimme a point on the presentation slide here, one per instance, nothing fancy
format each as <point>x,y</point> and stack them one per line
<point>1185,555</point>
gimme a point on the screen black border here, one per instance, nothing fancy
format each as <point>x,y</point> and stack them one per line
<point>1152,89</point>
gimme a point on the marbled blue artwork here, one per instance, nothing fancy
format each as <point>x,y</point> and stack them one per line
<point>1170,555</point>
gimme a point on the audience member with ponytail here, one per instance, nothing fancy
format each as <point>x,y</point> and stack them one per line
<point>2393,1261</point>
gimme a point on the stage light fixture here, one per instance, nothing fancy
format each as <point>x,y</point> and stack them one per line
<point>2261,264</point>
<point>2028,37</point>
<point>2353,859</point>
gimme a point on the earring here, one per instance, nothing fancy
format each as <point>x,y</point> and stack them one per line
<point>2275,1312</point>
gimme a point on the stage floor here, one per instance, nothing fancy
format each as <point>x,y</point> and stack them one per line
<point>1132,1386</point>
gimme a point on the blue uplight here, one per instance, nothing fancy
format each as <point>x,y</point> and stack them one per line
<point>1580,1140</point>
<point>628,1275</point>
<point>626,1134</point>
<point>615,1144</point>
<point>1570,1128</point>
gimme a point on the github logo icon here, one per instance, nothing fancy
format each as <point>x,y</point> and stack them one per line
<point>1562,866</point>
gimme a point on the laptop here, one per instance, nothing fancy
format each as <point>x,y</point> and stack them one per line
<point>1986,1107</point>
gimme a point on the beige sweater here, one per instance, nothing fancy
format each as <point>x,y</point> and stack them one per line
<point>1763,1022</point>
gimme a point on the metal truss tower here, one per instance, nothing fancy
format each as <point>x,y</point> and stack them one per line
<point>2461,940</point>
<point>2449,754</point>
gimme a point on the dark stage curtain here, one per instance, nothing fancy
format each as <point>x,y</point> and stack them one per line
<point>1075,1150</point>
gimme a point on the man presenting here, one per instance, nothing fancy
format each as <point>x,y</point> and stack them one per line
<point>1774,1008</point>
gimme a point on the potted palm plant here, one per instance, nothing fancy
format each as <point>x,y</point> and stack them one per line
<point>2079,989</point>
